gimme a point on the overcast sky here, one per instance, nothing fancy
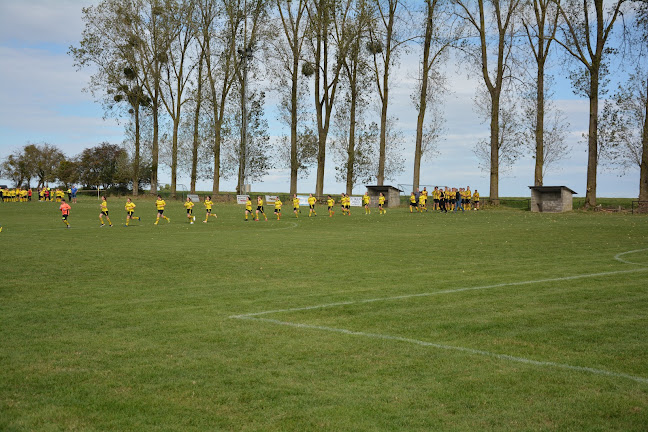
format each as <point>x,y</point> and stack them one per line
<point>43,101</point>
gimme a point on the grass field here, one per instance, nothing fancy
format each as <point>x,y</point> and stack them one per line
<point>491,320</point>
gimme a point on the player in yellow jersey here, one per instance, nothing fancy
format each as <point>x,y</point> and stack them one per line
<point>423,202</point>
<point>381,204</point>
<point>413,205</point>
<point>311,205</point>
<point>277,209</point>
<point>104,211</point>
<point>296,206</point>
<point>475,199</point>
<point>366,199</point>
<point>189,205</point>
<point>130,209</point>
<point>468,198</point>
<point>208,208</point>
<point>248,207</point>
<point>259,209</point>
<point>159,205</point>
<point>330,202</point>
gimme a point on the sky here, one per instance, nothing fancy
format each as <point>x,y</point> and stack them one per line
<point>43,100</point>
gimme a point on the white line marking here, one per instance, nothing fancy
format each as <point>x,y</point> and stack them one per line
<point>450,291</point>
<point>619,255</point>
<point>456,348</point>
<point>254,317</point>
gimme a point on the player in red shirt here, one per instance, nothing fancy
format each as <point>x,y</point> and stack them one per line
<point>65,212</point>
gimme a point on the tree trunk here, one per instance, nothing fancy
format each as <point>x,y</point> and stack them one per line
<point>216,150</point>
<point>156,149</point>
<point>196,142</point>
<point>494,145</point>
<point>643,175</point>
<point>351,146</point>
<point>294,163</point>
<point>136,159</point>
<point>427,43</point>
<point>174,155</point>
<point>383,135</point>
<point>592,142</point>
<point>539,129</point>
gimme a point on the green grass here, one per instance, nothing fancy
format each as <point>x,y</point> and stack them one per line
<point>131,329</point>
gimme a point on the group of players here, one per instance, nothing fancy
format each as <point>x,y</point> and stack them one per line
<point>345,204</point>
<point>44,194</point>
<point>460,198</point>
<point>445,199</point>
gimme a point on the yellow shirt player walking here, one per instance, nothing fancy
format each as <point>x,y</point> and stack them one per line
<point>365,202</point>
<point>248,208</point>
<point>381,204</point>
<point>260,209</point>
<point>277,209</point>
<point>208,208</point>
<point>130,209</point>
<point>330,202</point>
<point>311,204</point>
<point>189,206</point>
<point>104,211</point>
<point>296,205</point>
<point>160,204</point>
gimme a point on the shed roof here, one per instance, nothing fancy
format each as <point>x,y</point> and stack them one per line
<point>551,189</point>
<point>383,187</point>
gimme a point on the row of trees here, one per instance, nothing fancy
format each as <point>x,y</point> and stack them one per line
<point>106,166</point>
<point>179,71</point>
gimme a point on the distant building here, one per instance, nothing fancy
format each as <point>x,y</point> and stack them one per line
<point>392,195</point>
<point>551,199</point>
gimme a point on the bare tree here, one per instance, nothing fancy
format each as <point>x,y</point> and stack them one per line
<point>540,19</point>
<point>388,37</point>
<point>585,31</point>
<point>328,42</point>
<point>287,50</point>
<point>493,30</point>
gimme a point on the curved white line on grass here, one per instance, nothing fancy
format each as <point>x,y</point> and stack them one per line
<point>254,317</point>
<point>619,255</point>
<point>450,291</point>
<point>457,348</point>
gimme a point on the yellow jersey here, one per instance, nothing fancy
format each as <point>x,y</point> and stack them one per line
<point>104,206</point>
<point>295,202</point>
<point>188,205</point>
<point>160,204</point>
<point>208,204</point>
<point>278,204</point>
<point>248,205</point>
<point>423,199</point>
<point>476,197</point>
<point>312,200</point>
<point>330,202</point>
<point>130,206</point>
<point>413,199</point>
<point>365,199</point>
<point>260,202</point>
<point>381,200</point>
<point>468,194</point>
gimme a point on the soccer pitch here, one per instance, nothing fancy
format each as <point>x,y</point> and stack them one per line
<point>489,320</point>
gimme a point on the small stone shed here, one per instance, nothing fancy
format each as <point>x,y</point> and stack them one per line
<point>392,195</point>
<point>551,199</point>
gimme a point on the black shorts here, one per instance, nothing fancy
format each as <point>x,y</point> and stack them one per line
<point>260,208</point>
<point>105,213</point>
<point>64,217</point>
<point>248,210</point>
<point>295,208</point>
<point>189,211</point>
<point>161,211</point>
<point>130,213</point>
<point>348,207</point>
<point>277,210</point>
<point>413,204</point>
<point>208,210</point>
<point>312,206</point>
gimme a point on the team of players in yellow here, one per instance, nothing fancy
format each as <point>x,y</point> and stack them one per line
<point>460,198</point>
<point>345,202</point>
